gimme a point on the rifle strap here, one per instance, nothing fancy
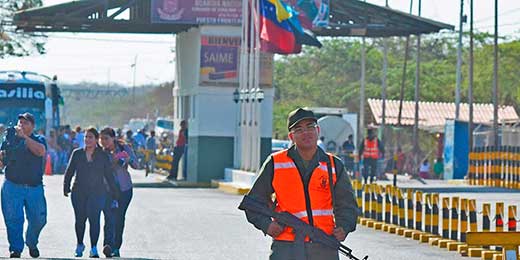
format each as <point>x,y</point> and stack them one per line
<point>331,184</point>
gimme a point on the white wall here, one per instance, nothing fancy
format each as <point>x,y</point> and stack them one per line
<point>212,109</point>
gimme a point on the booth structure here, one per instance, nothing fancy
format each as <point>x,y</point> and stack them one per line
<point>208,64</point>
<point>205,98</point>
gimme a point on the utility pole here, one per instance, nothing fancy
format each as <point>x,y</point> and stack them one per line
<point>459,62</point>
<point>470,87</point>
<point>362,94</point>
<point>403,83</point>
<point>135,70</point>
<point>495,80</point>
<point>383,91</point>
<point>416,97</point>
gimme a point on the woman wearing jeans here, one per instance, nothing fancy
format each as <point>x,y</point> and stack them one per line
<point>92,168</point>
<point>121,156</point>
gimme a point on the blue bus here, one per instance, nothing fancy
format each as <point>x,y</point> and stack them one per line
<point>21,92</point>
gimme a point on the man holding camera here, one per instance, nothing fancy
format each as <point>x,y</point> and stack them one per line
<point>22,154</point>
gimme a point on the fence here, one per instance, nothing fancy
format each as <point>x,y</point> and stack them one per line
<point>497,166</point>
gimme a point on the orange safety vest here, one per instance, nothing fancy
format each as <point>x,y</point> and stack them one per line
<point>289,190</point>
<point>371,149</point>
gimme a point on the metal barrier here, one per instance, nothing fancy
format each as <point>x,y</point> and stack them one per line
<point>497,166</point>
<point>458,218</point>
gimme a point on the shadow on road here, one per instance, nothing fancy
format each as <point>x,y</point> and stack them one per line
<point>170,185</point>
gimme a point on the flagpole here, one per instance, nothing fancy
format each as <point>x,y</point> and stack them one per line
<point>243,85</point>
<point>257,104</point>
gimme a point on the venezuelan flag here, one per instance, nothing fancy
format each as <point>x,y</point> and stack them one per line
<point>276,33</point>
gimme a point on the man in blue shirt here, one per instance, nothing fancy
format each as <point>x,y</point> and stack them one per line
<point>23,155</point>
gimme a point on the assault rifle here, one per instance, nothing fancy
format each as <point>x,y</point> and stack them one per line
<point>300,229</point>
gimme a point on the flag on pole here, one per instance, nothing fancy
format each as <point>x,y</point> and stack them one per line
<point>280,29</point>
<point>276,33</point>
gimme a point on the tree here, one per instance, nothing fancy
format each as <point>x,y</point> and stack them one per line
<point>330,76</point>
<point>13,42</point>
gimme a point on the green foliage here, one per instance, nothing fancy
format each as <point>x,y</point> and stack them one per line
<point>330,76</point>
<point>13,42</point>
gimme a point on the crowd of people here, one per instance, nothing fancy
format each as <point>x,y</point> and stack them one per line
<point>371,151</point>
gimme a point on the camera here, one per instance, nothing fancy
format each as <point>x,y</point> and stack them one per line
<point>12,142</point>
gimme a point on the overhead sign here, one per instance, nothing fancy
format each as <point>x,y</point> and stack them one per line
<point>312,13</point>
<point>219,61</point>
<point>197,11</point>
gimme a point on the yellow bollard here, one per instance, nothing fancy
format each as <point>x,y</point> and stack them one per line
<point>445,218</point>
<point>472,205</point>
<point>511,220</point>
<point>366,205</point>
<point>463,219</point>
<point>379,205</point>
<point>402,217</point>
<point>409,198</point>
<point>427,213</point>
<point>395,207</point>
<point>388,204</point>
<point>373,201</point>
<point>454,218</point>
<point>435,214</point>
<point>418,210</point>
<point>499,221</point>
<point>472,167</point>
<point>486,223</point>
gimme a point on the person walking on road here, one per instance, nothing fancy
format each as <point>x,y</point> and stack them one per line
<point>92,169</point>
<point>369,150</point>
<point>23,155</point>
<point>178,150</point>
<point>308,183</point>
<point>121,156</point>
<point>348,148</point>
<point>151,147</point>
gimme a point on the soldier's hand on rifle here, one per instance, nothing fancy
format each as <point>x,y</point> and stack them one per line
<point>274,229</point>
<point>340,234</point>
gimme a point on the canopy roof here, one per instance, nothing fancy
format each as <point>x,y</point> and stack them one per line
<point>347,18</point>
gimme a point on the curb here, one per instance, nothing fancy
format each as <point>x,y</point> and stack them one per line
<point>232,188</point>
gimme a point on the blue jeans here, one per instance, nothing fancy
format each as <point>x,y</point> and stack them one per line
<point>15,198</point>
<point>115,220</point>
<point>87,206</point>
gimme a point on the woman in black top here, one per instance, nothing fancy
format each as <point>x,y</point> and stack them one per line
<point>93,169</point>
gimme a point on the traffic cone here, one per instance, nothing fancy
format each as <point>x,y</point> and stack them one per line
<point>48,166</point>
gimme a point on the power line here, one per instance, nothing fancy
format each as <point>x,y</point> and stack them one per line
<point>500,14</point>
<point>500,25</point>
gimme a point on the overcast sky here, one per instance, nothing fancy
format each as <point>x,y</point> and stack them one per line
<point>107,58</point>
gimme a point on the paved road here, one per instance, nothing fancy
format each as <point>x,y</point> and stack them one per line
<point>181,223</point>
